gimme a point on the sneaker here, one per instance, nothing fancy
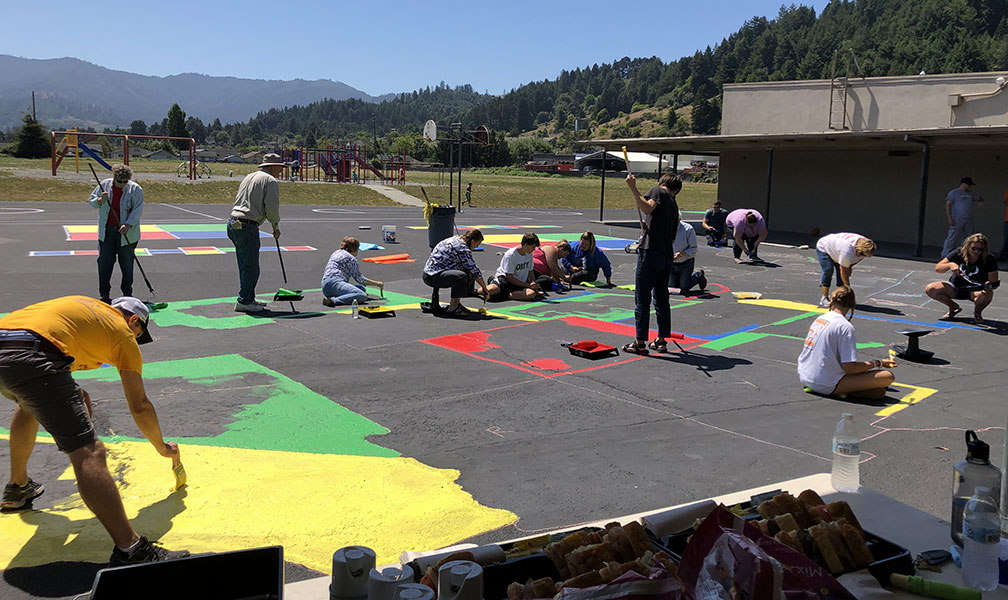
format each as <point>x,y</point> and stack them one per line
<point>17,496</point>
<point>702,284</point>
<point>824,302</point>
<point>145,552</point>
<point>249,308</point>
<point>328,303</point>
<point>263,304</point>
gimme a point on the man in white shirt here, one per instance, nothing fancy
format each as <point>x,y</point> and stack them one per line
<point>515,278</point>
<point>682,278</point>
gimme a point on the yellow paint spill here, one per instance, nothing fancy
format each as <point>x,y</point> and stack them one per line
<point>916,394</point>
<point>311,504</point>
<point>786,304</point>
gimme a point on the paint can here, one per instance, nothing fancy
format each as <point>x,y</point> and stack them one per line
<point>382,584</point>
<point>351,567</point>
<point>388,233</point>
<point>460,580</point>
<point>414,591</point>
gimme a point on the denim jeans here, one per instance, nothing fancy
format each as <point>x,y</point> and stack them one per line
<point>828,268</point>
<point>583,275</point>
<point>714,236</point>
<point>246,243</point>
<point>681,276</point>
<point>343,292</point>
<point>111,250</point>
<point>652,277</point>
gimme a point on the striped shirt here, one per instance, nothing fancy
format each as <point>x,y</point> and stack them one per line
<point>452,254</point>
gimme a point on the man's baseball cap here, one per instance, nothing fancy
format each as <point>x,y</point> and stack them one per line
<point>138,308</point>
<point>967,181</point>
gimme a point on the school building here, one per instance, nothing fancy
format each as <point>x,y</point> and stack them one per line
<point>873,155</point>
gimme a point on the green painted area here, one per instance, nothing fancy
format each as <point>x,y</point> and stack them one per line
<point>870,345</point>
<point>811,259</point>
<point>793,319</point>
<point>281,415</point>
<point>735,339</point>
<point>175,314</point>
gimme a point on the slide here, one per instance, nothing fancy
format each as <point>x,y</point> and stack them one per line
<point>326,165</point>
<point>93,155</point>
<point>367,166</point>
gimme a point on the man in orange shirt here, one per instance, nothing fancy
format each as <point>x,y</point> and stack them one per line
<point>40,345</point>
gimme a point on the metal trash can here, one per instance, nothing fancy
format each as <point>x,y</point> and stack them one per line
<point>441,225</point>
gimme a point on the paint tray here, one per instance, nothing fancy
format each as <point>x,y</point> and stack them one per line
<point>283,295</point>
<point>591,349</point>
<point>375,312</point>
<point>747,295</point>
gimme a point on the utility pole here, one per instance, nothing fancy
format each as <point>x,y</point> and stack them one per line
<point>33,107</point>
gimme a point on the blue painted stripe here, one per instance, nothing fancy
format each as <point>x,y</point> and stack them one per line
<point>933,324</point>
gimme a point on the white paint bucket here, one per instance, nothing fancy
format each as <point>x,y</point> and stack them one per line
<point>388,233</point>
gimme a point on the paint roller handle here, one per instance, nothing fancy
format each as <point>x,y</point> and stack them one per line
<point>626,159</point>
<point>104,194</point>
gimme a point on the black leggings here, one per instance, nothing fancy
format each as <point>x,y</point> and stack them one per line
<point>460,282</point>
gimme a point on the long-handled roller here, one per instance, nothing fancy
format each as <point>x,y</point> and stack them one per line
<point>632,248</point>
<point>152,304</point>
<point>285,294</point>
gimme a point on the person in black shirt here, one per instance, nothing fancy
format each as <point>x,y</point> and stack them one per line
<point>974,277</point>
<point>654,260</point>
<point>714,225</point>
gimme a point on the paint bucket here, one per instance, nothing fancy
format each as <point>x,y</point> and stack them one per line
<point>388,233</point>
<point>351,567</point>
<point>382,585</point>
<point>460,580</point>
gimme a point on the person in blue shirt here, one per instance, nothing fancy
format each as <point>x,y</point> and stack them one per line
<point>585,261</point>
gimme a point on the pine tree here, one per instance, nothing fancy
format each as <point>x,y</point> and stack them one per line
<point>177,126</point>
<point>31,141</point>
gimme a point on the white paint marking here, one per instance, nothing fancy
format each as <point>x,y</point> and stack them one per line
<point>193,212</point>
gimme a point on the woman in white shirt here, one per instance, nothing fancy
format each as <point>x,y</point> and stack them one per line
<point>828,361</point>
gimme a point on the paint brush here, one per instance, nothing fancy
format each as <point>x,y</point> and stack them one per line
<point>180,474</point>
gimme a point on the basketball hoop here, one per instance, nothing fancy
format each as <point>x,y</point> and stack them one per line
<point>430,131</point>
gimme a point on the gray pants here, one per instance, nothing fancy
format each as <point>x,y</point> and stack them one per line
<point>962,229</point>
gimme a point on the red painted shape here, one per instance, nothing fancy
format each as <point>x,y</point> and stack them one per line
<point>547,364</point>
<point>466,343</point>
<point>601,326</point>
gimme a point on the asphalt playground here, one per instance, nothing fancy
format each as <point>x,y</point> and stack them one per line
<point>315,430</point>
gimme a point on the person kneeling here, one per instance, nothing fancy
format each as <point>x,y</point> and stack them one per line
<point>515,278</point>
<point>342,267</point>
<point>682,278</point>
<point>828,363</point>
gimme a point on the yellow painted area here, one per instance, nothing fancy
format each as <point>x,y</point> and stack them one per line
<point>195,251</point>
<point>507,238</point>
<point>916,394</point>
<point>94,228</point>
<point>311,504</point>
<point>786,304</point>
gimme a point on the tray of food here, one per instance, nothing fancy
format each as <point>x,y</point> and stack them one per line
<point>828,534</point>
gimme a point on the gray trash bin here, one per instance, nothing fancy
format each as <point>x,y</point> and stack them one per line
<point>442,224</point>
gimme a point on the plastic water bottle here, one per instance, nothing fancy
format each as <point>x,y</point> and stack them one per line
<point>353,310</point>
<point>846,474</point>
<point>968,476</point>
<point>981,531</point>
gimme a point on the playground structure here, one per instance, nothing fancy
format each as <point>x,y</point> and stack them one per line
<point>345,162</point>
<point>72,139</point>
<point>396,169</point>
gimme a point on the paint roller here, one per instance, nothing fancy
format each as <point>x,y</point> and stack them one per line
<point>640,218</point>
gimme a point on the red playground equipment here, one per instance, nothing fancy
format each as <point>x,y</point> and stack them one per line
<point>345,162</point>
<point>72,139</point>
<point>396,169</point>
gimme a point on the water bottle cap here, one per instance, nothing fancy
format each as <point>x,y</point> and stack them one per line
<point>976,448</point>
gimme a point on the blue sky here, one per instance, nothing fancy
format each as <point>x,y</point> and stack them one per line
<point>378,46</point>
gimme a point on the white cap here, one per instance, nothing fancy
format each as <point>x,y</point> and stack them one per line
<point>138,308</point>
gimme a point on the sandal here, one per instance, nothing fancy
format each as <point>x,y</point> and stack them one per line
<point>659,345</point>
<point>636,347</point>
<point>952,313</point>
<point>458,311</point>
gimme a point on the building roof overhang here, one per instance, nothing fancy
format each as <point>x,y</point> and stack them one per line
<point>890,139</point>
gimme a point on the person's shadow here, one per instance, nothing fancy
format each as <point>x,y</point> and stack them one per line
<point>56,535</point>
<point>869,308</point>
<point>703,362</point>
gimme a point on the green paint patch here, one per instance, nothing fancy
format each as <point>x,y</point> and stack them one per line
<point>735,339</point>
<point>286,415</point>
<point>175,314</point>
<point>870,345</point>
<point>797,318</point>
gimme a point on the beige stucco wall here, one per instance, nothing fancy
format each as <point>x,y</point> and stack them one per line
<point>915,102</point>
<point>869,192</point>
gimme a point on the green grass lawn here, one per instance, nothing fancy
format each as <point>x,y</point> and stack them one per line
<point>496,191</point>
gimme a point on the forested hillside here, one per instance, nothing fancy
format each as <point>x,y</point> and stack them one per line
<point>646,96</point>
